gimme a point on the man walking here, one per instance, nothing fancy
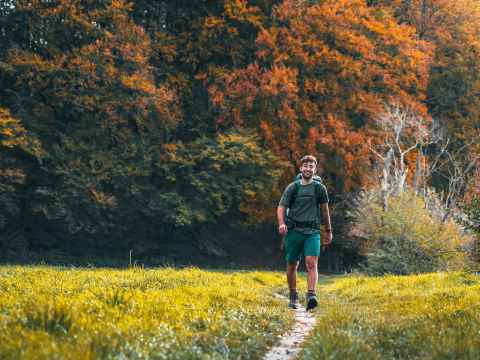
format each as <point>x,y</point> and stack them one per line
<point>304,199</point>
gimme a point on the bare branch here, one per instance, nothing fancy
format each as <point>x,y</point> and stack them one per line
<point>376,153</point>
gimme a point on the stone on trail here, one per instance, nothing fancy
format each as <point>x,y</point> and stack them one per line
<point>291,343</point>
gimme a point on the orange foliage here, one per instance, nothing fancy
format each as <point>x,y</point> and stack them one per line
<point>322,74</point>
<point>110,77</point>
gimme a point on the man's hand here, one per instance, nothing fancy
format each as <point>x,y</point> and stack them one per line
<point>327,229</point>
<point>327,238</point>
<point>282,230</point>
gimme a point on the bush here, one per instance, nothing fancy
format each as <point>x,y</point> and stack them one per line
<point>407,238</point>
<point>471,221</point>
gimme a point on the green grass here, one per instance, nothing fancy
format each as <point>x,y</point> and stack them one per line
<point>433,316</point>
<point>60,313</point>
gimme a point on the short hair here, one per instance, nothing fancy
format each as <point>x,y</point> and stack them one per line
<point>308,158</point>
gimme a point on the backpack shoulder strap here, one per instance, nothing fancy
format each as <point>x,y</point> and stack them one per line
<point>295,193</point>
<point>318,195</point>
<point>317,178</point>
<point>318,191</point>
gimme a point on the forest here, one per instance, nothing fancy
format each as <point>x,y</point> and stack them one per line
<point>164,132</point>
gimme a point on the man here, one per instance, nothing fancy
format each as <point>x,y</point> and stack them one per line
<point>304,198</point>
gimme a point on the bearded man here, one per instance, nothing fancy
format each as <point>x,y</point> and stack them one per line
<point>305,200</point>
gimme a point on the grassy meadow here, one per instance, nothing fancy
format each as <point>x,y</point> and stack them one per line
<point>432,316</point>
<point>60,313</point>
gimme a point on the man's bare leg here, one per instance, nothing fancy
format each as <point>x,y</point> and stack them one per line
<point>311,263</point>
<point>292,275</point>
<point>292,284</point>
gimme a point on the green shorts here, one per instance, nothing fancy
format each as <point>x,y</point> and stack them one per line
<point>298,244</point>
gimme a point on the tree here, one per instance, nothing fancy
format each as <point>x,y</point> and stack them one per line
<point>452,27</point>
<point>109,122</point>
<point>194,43</point>
<point>404,134</point>
<point>19,150</point>
<point>212,185</point>
<point>91,97</point>
<point>322,73</point>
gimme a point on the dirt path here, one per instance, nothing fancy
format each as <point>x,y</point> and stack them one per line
<point>291,342</point>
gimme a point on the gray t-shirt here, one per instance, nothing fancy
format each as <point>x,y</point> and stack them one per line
<point>305,208</point>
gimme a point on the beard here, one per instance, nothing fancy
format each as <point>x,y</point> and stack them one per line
<point>307,175</point>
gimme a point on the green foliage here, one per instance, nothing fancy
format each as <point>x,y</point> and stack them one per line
<point>211,179</point>
<point>472,222</point>
<point>19,149</point>
<point>407,238</point>
<point>399,255</point>
<point>472,211</point>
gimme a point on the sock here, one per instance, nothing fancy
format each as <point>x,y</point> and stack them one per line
<point>293,293</point>
<point>311,292</point>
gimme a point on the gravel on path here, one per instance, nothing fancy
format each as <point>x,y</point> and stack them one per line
<point>291,343</point>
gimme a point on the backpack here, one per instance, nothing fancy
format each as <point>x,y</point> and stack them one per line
<point>317,181</point>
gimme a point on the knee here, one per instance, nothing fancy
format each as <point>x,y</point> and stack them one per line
<point>292,267</point>
<point>311,264</point>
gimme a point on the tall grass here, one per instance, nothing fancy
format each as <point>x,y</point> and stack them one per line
<point>58,313</point>
<point>432,316</point>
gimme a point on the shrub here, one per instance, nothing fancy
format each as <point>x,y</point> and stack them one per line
<point>471,221</point>
<point>407,238</point>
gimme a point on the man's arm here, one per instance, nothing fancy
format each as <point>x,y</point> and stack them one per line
<point>282,228</point>
<point>328,226</point>
<point>282,205</point>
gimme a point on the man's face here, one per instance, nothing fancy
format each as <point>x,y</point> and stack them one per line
<point>308,169</point>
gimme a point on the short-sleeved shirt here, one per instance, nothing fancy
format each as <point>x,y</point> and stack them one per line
<point>305,208</point>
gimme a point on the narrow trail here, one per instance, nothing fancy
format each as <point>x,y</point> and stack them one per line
<point>291,342</point>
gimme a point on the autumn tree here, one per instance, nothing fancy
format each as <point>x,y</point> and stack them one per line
<point>167,119</point>
<point>86,89</point>
<point>194,43</point>
<point>120,154</point>
<point>452,27</point>
<point>322,73</point>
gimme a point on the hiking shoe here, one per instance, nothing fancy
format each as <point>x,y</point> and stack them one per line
<point>311,301</point>
<point>293,303</point>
